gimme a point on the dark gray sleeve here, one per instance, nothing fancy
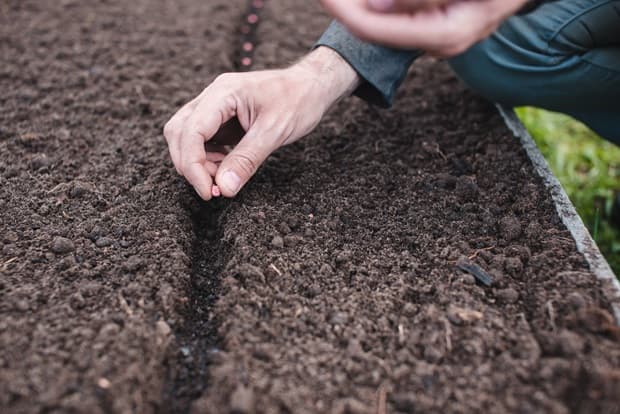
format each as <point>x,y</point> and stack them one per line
<point>382,69</point>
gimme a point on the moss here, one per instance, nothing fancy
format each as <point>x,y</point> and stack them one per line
<point>588,168</point>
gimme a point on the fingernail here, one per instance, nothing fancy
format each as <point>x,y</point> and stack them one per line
<point>381,5</point>
<point>216,191</point>
<point>231,180</point>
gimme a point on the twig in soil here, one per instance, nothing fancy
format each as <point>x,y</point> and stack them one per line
<point>401,334</point>
<point>7,263</point>
<point>124,305</point>
<point>382,399</point>
<point>477,252</point>
<point>551,312</point>
<point>446,325</point>
<point>276,269</point>
<point>479,273</point>
<point>440,152</point>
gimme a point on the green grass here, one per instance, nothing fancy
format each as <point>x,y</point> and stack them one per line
<point>588,168</point>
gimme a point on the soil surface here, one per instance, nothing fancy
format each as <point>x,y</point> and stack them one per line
<point>331,284</point>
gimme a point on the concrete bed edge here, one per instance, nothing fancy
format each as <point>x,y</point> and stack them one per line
<point>566,210</point>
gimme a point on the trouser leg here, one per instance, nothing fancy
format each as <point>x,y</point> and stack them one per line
<point>564,56</point>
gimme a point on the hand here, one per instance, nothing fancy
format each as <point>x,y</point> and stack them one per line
<point>258,112</point>
<point>440,27</point>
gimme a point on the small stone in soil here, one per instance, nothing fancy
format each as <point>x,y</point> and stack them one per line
<point>508,295</point>
<point>278,242</point>
<point>104,242</point>
<point>576,300</point>
<point>10,237</point>
<point>338,318</point>
<point>162,328</point>
<point>514,266</point>
<point>40,161</point>
<point>284,229</point>
<point>62,245</point>
<point>466,189</point>
<point>509,228</point>
<point>81,188</point>
<point>133,264</point>
<point>22,305</point>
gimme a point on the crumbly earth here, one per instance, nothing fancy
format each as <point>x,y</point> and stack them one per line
<point>329,285</point>
<point>96,233</point>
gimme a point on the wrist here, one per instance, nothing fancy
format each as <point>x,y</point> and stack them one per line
<point>333,75</point>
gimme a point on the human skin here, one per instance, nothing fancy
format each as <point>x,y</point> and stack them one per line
<point>257,112</point>
<point>446,28</point>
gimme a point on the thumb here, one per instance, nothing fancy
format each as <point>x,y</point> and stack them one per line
<point>243,161</point>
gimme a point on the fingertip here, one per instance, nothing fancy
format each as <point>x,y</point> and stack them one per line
<point>215,191</point>
<point>229,183</point>
<point>198,177</point>
<point>203,195</point>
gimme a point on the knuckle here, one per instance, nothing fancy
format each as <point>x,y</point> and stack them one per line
<point>246,162</point>
<point>225,78</point>
<point>170,128</point>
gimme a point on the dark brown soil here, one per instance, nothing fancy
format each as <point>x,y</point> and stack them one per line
<point>96,234</point>
<point>332,279</point>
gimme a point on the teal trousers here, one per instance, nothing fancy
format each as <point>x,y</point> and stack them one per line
<point>563,56</point>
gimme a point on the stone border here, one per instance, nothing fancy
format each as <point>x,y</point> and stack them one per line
<point>566,211</point>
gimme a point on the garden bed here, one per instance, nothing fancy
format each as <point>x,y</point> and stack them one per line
<point>331,284</point>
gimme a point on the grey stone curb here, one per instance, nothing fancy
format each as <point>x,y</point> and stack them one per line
<point>566,211</point>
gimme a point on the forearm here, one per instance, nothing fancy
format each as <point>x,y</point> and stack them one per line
<point>331,73</point>
<point>381,70</point>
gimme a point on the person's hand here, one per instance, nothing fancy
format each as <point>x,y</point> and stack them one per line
<point>257,112</point>
<point>440,27</point>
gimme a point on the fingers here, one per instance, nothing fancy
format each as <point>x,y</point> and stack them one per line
<point>191,127</point>
<point>200,126</point>
<point>173,130</point>
<point>243,161</point>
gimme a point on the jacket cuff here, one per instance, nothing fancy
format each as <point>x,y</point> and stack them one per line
<point>382,69</point>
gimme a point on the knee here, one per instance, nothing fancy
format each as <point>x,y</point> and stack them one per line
<point>494,72</point>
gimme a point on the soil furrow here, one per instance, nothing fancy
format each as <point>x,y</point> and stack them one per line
<point>187,377</point>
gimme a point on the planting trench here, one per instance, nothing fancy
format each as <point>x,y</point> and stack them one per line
<point>329,285</point>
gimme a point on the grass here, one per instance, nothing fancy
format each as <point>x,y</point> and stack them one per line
<point>588,168</point>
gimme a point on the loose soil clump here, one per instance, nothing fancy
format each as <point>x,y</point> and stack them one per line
<point>331,284</point>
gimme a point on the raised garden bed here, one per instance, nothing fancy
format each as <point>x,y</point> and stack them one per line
<point>331,284</point>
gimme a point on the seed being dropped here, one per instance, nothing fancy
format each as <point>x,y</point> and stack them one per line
<point>103,383</point>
